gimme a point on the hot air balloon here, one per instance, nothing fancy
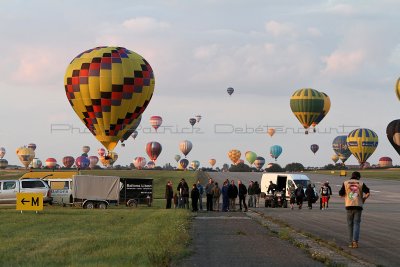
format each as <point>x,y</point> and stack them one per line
<point>177,158</point>
<point>68,161</point>
<point>198,118</point>
<point>93,160</point>
<point>2,152</point>
<point>230,90</point>
<point>82,162</point>
<point>153,150</point>
<point>307,104</point>
<point>155,122</point>
<point>101,152</point>
<point>151,165</point>
<point>108,88</point>
<point>393,134</point>
<point>135,134</point>
<point>259,163</point>
<point>212,162</point>
<point>397,88</point>
<point>234,155</point>
<point>85,149</point>
<point>362,143</point>
<point>51,163</point>
<point>36,163</point>
<point>183,163</point>
<point>275,151</point>
<point>314,148</point>
<point>327,107</point>
<point>339,145</point>
<point>250,157</point>
<point>195,164</point>
<point>192,121</point>
<point>271,131</point>
<point>25,155</point>
<point>32,146</point>
<point>385,162</point>
<point>139,162</point>
<point>185,147</point>
<point>3,163</point>
<point>335,158</point>
<point>131,129</point>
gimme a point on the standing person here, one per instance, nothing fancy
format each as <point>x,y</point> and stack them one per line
<point>201,191</point>
<point>183,189</point>
<point>324,192</point>
<point>257,192</point>
<point>330,193</point>
<point>271,188</point>
<point>355,193</point>
<point>310,195</point>
<point>225,197</point>
<point>175,200</point>
<point>209,193</point>
<point>292,195</point>
<point>195,194</point>
<point>250,191</point>
<point>216,195</point>
<point>169,194</point>
<point>242,195</point>
<point>300,196</point>
<point>232,194</point>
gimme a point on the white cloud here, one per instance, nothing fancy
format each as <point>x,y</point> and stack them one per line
<point>314,31</point>
<point>342,62</point>
<point>279,29</point>
<point>342,9</point>
<point>145,24</point>
<point>206,52</point>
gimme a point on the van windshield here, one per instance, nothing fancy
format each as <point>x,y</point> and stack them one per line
<point>304,183</point>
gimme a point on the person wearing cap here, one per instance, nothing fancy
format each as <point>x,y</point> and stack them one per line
<point>355,193</point>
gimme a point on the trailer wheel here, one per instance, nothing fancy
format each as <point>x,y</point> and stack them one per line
<point>88,205</point>
<point>102,205</point>
<point>132,203</point>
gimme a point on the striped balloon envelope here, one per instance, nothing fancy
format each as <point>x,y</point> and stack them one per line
<point>68,161</point>
<point>307,105</point>
<point>108,88</point>
<point>185,147</point>
<point>155,122</point>
<point>362,143</point>
<point>153,150</point>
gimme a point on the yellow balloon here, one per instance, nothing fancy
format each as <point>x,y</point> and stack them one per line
<point>362,143</point>
<point>234,155</point>
<point>109,88</point>
<point>25,155</point>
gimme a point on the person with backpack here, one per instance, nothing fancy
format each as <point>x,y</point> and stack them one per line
<point>324,192</point>
<point>201,192</point>
<point>300,196</point>
<point>216,195</point>
<point>310,195</point>
<point>355,194</point>
<point>242,195</point>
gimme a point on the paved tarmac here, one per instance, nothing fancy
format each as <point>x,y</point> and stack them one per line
<point>233,239</point>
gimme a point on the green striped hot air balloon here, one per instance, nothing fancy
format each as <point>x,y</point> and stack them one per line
<point>362,143</point>
<point>307,104</point>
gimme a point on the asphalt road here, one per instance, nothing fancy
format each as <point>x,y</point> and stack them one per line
<point>380,234</point>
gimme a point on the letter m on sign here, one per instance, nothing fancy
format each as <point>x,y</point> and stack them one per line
<point>35,201</point>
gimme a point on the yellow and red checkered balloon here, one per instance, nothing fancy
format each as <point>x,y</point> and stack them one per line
<point>108,88</point>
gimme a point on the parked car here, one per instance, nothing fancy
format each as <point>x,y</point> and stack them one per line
<point>10,188</point>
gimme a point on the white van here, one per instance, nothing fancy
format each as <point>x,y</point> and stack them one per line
<point>283,181</point>
<point>61,190</point>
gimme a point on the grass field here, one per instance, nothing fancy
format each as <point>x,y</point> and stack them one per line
<point>118,236</point>
<point>388,174</point>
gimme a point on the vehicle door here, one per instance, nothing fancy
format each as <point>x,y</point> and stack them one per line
<point>36,186</point>
<point>8,192</point>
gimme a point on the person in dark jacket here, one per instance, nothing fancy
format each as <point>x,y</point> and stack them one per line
<point>209,194</point>
<point>242,195</point>
<point>195,195</point>
<point>225,197</point>
<point>257,191</point>
<point>183,189</point>
<point>252,194</point>
<point>310,195</point>
<point>169,194</point>
<point>232,194</point>
<point>355,193</point>
<point>300,196</point>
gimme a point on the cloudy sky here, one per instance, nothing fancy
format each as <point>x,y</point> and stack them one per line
<point>265,50</point>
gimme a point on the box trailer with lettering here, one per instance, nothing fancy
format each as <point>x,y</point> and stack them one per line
<point>136,191</point>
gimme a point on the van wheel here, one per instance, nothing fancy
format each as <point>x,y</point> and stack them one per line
<point>102,205</point>
<point>88,205</point>
<point>132,203</point>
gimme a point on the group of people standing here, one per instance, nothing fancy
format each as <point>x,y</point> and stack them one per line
<point>213,192</point>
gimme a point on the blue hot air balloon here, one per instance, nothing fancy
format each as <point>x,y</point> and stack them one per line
<point>275,151</point>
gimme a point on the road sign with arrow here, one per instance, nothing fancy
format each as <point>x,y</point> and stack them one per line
<point>29,201</point>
